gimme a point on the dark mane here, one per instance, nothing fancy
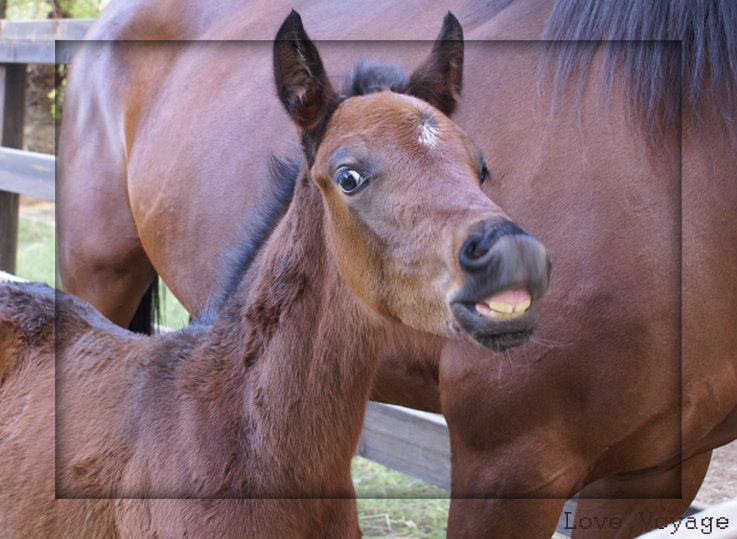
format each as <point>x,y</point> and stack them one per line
<point>368,77</point>
<point>283,172</point>
<point>685,55</point>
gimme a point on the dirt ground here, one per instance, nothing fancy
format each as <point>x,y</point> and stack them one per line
<point>721,480</point>
<point>720,483</point>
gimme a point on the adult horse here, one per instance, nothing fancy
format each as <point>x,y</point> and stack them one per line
<point>590,146</point>
<point>387,221</point>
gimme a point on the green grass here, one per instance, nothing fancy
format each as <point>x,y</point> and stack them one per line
<point>392,504</point>
<point>36,251</point>
<point>173,315</point>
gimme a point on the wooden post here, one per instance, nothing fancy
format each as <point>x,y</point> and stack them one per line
<point>12,109</point>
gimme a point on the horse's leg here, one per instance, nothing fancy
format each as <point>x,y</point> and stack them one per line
<point>104,267</point>
<point>544,477</point>
<point>627,517</point>
<point>99,253</point>
<point>508,478</point>
<point>523,519</point>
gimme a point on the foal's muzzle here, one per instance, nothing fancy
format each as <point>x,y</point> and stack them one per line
<point>506,270</point>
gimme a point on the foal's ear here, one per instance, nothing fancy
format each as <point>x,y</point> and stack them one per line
<point>439,79</point>
<point>301,82</point>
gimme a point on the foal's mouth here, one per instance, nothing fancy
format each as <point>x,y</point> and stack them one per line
<point>498,321</point>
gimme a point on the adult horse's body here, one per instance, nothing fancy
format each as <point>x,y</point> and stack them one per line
<point>635,378</point>
<point>255,418</point>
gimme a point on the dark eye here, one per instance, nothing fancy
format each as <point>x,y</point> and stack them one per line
<point>349,179</point>
<point>483,174</point>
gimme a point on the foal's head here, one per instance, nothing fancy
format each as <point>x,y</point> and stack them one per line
<point>407,224</point>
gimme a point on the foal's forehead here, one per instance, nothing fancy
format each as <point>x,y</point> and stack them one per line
<point>395,118</point>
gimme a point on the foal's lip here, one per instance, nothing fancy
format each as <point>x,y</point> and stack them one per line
<point>496,331</point>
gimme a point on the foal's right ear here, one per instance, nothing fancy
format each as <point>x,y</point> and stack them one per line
<point>301,82</point>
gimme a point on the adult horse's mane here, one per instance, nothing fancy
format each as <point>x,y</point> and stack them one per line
<point>364,78</point>
<point>685,55</point>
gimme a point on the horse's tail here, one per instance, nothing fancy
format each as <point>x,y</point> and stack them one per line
<point>148,313</point>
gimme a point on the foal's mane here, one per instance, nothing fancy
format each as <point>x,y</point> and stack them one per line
<point>684,56</point>
<point>283,173</point>
<point>366,77</point>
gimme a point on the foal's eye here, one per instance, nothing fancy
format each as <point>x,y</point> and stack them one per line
<point>483,174</point>
<point>349,179</point>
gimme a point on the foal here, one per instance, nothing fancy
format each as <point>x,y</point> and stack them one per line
<point>387,223</point>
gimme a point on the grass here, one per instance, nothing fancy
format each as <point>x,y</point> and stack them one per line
<point>36,252</point>
<point>392,504</point>
<point>173,315</point>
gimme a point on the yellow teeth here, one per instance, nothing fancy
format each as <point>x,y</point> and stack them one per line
<point>522,307</point>
<point>501,306</point>
<point>501,309</point>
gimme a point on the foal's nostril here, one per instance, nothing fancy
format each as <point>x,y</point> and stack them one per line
<point>474,248</point>
<point>477,246</point>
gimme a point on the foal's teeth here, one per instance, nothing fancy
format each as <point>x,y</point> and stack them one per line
<point>502,309</point>
<point>484,310</point>
<point>522,307</point>
<point>501,306</point>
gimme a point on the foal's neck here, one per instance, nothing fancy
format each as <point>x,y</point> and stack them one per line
<point>306,349</point>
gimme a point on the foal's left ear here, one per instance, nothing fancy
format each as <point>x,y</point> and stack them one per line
<point>439,79</point>
<point>301,82</point>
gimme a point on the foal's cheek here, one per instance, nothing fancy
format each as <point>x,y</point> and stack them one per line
<point>397,268</point>
<point>419,276</point>
<point>359,260</point>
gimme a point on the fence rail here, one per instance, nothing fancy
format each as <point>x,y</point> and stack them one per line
<point>27,173</point>
<point>40,42</point>
<point>22,172</point>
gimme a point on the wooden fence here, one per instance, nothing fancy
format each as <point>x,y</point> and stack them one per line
<point>21,172</point>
